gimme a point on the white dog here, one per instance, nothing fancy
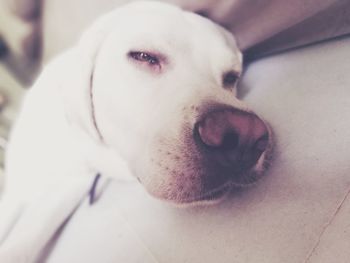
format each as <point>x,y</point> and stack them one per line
<point>148,93</point>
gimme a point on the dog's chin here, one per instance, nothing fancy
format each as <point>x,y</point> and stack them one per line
<point>215,196</point>
<point>210,198</point>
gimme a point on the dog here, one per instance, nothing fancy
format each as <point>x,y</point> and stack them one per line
<point>149,93</point>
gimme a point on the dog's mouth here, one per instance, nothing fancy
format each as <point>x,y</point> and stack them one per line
<point>208,197</point>
<point>215,194</point>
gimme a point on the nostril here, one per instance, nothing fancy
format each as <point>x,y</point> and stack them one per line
<point>230,141</point>
<point>217,135</point>
<point>262,143</point>
<point>210,133</point>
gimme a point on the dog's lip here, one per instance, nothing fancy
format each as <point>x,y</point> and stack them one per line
<point>211,195</point>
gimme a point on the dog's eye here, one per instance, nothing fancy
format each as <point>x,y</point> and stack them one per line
<point>230,79</point>
<point>145,57</point>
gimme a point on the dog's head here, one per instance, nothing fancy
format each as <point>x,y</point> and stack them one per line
<point>160,87</point>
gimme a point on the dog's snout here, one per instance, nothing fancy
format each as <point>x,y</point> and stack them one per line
<point>238,138</point>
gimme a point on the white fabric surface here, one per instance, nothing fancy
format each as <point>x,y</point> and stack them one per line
<point>298,213</point>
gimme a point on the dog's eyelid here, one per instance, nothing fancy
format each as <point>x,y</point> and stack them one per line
<point>230,78</point>
<point>151,58</point>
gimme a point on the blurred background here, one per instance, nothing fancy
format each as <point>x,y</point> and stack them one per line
<point>34,31</point>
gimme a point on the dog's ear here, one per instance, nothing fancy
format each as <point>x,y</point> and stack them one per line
<point>78,68</point>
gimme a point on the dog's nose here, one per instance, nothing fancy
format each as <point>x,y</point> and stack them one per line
<point>238,138</point>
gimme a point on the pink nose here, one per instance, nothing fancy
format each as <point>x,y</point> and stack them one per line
<point>237,137</point>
